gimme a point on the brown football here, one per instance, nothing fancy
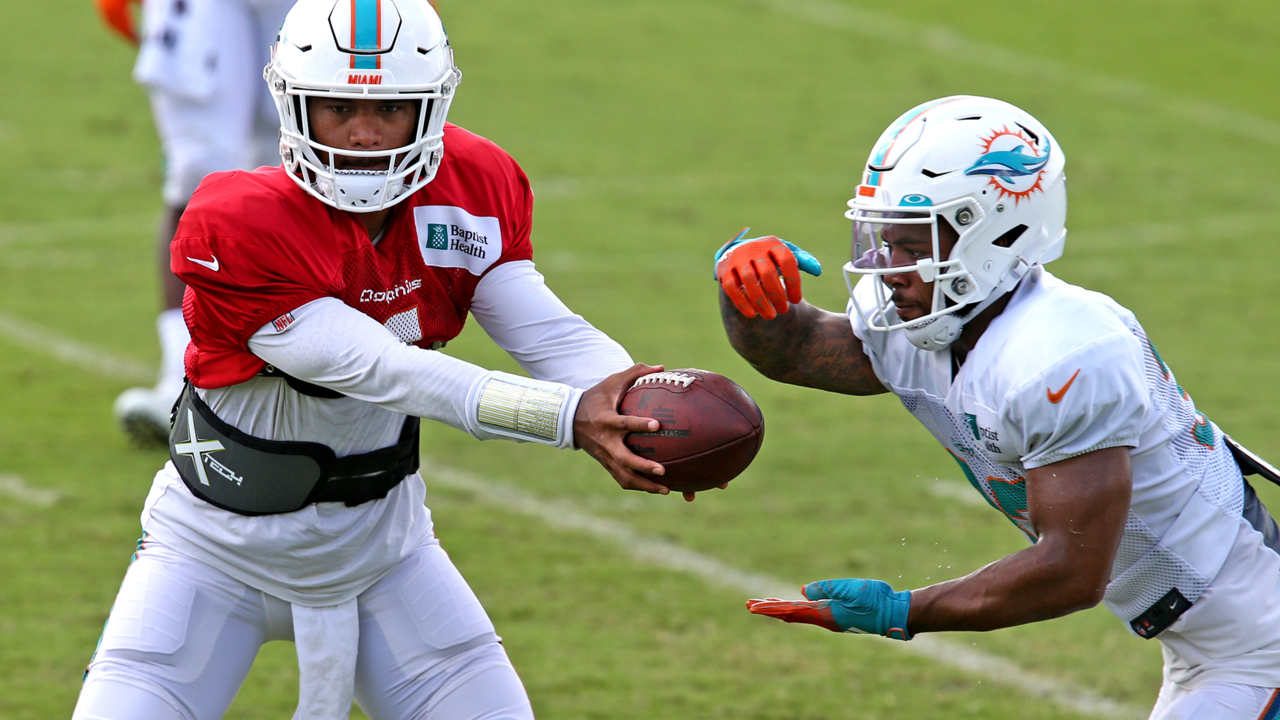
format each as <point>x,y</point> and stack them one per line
<point>710,429</point>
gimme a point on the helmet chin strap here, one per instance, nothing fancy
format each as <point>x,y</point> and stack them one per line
<point>938,333</point>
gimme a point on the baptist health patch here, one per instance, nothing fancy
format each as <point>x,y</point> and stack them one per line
<point>452,237</point>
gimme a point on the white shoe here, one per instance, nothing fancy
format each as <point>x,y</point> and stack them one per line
<point>143,414</point>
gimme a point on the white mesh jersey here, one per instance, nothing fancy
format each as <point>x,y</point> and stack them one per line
<point>1064,371</point>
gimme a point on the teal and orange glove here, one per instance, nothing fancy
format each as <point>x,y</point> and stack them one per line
<point>117,15</point>
<point>761,276</point>
<point>854,605</point>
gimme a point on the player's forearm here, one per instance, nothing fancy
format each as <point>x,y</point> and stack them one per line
<point>339,348</point>
<point>805,346</point>
<point>334,346</point>
<point>1079,507</point>
<point>1031,585</point>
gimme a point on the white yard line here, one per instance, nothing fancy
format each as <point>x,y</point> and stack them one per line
<point>563,515</point>
<point>99,361</point>
<point>15,487</point>
<point>942,41</point>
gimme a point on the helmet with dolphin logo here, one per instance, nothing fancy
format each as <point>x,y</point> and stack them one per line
<point>989,170</point>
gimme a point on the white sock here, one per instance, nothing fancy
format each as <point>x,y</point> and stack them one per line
<point>173,347</point>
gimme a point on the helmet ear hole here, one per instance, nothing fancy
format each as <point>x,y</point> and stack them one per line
<point>1010,237</point>
<point>947,236</point>
<point>947,230</point>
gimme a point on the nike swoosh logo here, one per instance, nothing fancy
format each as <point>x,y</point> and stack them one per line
<point>1056,397</point>
<point>213,265</point>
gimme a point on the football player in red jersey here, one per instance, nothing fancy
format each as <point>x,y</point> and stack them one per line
<point>318,295</point>
<point>201,62</point>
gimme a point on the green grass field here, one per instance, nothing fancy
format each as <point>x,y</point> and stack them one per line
<point>653,132</point>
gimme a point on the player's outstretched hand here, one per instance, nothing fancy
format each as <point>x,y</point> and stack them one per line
<point>854,605</point>
<point>761,276</point>
<point>598,429</point>
<point>116,14</point>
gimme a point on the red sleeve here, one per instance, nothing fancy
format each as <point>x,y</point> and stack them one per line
<point>520,246</point>
<point>482,178</point>
<point>241,273</point>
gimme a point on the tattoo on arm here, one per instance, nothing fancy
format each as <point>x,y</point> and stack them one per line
<point>806,346</point>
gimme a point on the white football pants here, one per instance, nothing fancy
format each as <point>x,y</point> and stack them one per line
<point>181,638</point>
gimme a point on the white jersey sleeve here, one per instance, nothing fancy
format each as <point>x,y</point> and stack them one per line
<point>1089,400</point>
<point>340,348</point>
<point>520,313</point>
<point>1094,398</point>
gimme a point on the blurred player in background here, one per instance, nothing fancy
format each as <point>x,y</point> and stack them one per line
<point>317,293</point>
<point>201,62</point>
<point>1051,398</point>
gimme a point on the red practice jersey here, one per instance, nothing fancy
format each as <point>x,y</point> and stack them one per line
<point>252,246</point>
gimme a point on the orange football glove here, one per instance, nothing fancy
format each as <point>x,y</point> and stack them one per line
<point>117,14</point>
<point>813,612</point>
<point>761,276</point>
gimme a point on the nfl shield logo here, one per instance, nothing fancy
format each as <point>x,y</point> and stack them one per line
<point>437,236</point>
<point>283,322</point>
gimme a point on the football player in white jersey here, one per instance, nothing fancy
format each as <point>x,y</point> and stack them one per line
<point>318,295</point>
<point>1051,399</point>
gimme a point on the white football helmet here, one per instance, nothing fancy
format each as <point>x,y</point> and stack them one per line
<point>361,50</point>
<point>994,173</point>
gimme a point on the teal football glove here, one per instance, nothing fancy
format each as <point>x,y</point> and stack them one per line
<point>761,276</point>
<point>854,605</point>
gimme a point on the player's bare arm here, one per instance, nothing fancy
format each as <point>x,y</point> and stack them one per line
<point>805,346</point>
<point>773,328</point>
<point>1078,508</point>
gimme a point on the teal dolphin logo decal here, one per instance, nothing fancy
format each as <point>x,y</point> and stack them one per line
<point>1006,164</point>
